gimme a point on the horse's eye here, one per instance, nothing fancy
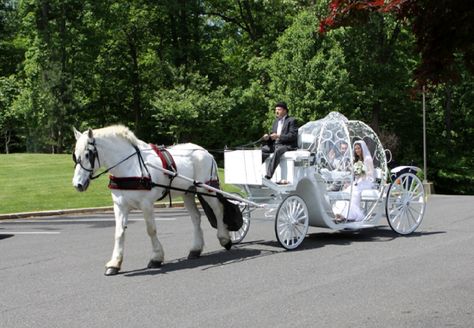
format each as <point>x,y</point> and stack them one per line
<point>86,155</point>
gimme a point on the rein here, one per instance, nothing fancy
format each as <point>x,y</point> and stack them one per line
<point>140,160</point>
<point>92,154</point>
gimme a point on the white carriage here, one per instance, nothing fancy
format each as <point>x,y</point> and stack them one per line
<point>321,182</point>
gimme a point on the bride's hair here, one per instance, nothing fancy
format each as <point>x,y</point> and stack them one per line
<point>356,157</point>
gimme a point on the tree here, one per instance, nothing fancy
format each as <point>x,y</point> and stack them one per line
<point>309,71</point>
<point>450,122</point>
<point>380,62</point>
<point>188,111</point>
<point>11,56</point>
<point>442,28</point>
<point>52,33</point>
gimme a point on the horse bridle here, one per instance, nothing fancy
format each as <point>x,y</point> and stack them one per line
<point>92,154</point>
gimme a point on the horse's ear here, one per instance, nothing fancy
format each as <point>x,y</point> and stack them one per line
<point>90,134</point>
<point>77,134</point>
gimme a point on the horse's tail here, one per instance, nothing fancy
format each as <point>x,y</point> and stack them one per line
<point>232,214</point>
<point>214,171</point>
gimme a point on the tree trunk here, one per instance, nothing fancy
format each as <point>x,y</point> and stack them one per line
<point>376,110</point>
<point>63,96</point>
<point>447,113</point>
<point>7,141</point>
<point>136,86</point>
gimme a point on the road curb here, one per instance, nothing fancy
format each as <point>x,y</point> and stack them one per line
<point>23,215</point>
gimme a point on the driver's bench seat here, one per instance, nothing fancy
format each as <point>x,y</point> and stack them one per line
<point>290,164</point>
<point>292,161</point>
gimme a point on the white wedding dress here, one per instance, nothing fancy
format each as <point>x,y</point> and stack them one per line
<point>351,210</point>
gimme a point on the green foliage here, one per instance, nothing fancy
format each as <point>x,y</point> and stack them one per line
<point>185,112</point>
<point>9,119</point>
<point>450,130</point>
<point>309,71</point>
<point>455,177</point>
<point>209,72</point>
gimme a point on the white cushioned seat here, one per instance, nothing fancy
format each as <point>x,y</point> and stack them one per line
<point>296,155</point>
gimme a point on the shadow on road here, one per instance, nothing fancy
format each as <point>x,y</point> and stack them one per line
<point>248,251</point>
<point>5,235</point>
<point>238,253</point>
<point>346,238</point>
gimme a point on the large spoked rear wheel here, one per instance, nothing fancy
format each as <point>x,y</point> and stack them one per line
<point>405,205</point>
<point>291,222</point>
<point>239,235</point>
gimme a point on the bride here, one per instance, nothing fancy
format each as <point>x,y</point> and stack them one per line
<point>363,166</point>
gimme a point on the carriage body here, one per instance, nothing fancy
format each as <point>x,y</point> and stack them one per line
<point>321,178</point>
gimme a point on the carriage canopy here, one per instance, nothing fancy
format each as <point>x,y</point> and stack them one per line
<point>334,136</point>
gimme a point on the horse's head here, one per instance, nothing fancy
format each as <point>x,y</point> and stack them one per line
<point>86,159</point>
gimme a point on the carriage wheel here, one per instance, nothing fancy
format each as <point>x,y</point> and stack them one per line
<point>405,205</point>
<point>291,222</point>
<point>239,235</point>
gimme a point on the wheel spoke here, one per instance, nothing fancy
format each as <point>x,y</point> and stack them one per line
<point>414,219</point>
<point>414,209</point>
<point>282,228</point>
<point>286,234</point>
<point>292,208</point>
<point>298,231</point>
<point>398,219</point>
<point>396,209</point>
<point>404,183</point>
<point>418,197</point>
<point>300,213</point>
<point>413,191</point>
<point>301,220</point>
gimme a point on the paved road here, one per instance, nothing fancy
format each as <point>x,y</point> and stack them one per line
<point>51,275</point>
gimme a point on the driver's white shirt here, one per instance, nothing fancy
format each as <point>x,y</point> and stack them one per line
<point>280,124</point>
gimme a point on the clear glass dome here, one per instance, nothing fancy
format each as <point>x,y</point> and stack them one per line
<point>334,137</point>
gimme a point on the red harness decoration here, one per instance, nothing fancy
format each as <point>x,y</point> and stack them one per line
<point>144,183</point>
<point>166,159</point>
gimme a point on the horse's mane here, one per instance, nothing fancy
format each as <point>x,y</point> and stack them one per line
<point>118,131</point>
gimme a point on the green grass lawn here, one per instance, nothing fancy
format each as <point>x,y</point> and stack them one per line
<point>39,182</point>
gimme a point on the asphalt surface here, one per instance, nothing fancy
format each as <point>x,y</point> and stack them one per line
<point>51,274</point>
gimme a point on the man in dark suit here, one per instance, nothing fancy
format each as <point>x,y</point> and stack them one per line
<point>284,137</point>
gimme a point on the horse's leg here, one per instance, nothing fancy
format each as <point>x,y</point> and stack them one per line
<point>158,254</point>
<point>222,232</point>
<point>198,239</point>
<point>121,215</point>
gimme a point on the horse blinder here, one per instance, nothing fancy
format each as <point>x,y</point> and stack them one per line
<point>91,155</point>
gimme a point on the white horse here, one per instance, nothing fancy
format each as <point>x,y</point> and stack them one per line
<point>117,149</point>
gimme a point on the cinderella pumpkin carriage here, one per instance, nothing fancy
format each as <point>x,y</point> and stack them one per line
<point>338,179</point>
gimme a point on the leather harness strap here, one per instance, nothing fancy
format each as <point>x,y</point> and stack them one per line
<point>144,182</point>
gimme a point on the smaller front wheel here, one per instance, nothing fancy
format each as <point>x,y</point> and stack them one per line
<point>239,235</point>
<point>291,222</point>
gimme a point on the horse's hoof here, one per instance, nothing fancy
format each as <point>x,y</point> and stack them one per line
<point>228,245</point>
<point>154,264</point>
<point>194,255</point>
<point>111,271</point>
